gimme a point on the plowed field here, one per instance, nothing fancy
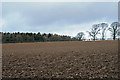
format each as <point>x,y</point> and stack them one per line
<point>74,59</point>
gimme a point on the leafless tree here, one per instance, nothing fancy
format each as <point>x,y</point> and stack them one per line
<point>94,31</point>
<point>103,28</point>
<point>114,28</point>
<point>80,36</point>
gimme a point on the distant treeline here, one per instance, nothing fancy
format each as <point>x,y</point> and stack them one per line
<point>33,37</point>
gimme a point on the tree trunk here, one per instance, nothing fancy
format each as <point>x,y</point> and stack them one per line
<point>114,35</point>
<point>103,36</point>
<point>94,38</point>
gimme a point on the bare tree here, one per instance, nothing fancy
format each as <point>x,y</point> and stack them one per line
<point>80,36</point>
<point>94,31</point>
<point>103,28</point>
<point>114,28</point>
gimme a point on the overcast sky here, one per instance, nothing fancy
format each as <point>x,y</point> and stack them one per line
<point>61,18</point>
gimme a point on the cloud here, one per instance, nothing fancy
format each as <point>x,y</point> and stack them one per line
<point>13,21</point>
<point>61,18</point>
<point>72,30</point>
<point>2,22</point>
<point>59,0</point>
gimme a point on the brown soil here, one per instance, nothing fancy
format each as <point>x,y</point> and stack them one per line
<point>75,59</point>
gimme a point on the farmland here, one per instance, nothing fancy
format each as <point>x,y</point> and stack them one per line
<point>70,59</point>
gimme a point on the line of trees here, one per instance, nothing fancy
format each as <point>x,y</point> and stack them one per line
<point>101,29</point>
<point>33,37</point>
<point>38,37</point>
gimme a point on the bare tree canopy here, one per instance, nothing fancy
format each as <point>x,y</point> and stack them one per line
<point>103,28</point>
<point>94,31</point>
<point>114,29</point>
<point>80,36</point>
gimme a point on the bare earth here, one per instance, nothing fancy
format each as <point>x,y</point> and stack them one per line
<point>75,59</point>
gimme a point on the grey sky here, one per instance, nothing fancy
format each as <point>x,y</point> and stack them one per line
<point>61,18</point>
